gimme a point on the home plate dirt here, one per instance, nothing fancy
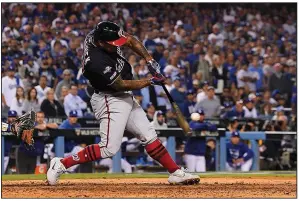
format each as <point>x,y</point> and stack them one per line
<point>252,187</point>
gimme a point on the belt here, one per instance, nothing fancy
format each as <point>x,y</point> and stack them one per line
<point>112,92</point>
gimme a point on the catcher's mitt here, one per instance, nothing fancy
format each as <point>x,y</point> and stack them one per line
<point>23,127</point>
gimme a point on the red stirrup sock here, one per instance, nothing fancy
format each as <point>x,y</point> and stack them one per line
<point>158,152</point>
<point>89,153</point>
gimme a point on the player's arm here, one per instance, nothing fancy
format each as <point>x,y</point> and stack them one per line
<point>127,85</point>
<point>137,46</point>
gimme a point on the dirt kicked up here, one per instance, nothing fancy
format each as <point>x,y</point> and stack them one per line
<point>228,187</point>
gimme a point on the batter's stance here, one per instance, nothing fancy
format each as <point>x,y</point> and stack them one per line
<point>114,105</point>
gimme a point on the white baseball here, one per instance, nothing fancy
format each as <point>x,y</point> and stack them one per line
<point>195,116</point>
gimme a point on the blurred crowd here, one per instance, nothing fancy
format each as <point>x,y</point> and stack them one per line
<point>231,60</point>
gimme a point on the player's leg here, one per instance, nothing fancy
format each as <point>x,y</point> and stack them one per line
<point>245,167</point>
<point>200,164</point>
<point>190,161</point>
<point>229,168</point>
<point>113,114</point>
<point>139,125</point>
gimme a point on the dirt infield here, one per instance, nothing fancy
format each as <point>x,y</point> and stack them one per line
<point>252,187</point>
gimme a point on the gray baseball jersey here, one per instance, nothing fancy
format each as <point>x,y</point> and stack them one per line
<point>116,110</point>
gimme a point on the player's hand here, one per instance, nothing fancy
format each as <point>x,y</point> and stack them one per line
<point>154,68</point>
<point>240,160</point>
<point>157,80</point>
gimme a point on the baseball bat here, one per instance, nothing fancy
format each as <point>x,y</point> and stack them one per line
<point>180,117</point>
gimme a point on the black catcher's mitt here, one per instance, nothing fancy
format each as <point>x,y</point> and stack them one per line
<point>23,127</point>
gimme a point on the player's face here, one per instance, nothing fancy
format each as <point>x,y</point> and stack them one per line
<point>201,117</point>
<point>73,120</point>
<point>108,47</point>
<point>235,140</point>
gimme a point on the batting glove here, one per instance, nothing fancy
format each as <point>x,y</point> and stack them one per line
<point>157,80</point>
<point>154,68</point>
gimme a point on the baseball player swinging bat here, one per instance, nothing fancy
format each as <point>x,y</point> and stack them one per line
<point>110,74</point>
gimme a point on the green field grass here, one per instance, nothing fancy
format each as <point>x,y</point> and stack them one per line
<point>145,175</point>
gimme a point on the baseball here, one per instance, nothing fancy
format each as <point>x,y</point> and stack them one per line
<point>195,116</point>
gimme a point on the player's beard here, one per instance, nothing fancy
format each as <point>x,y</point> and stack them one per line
<point>108,47</point>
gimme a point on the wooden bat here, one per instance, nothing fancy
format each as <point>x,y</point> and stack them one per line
<point>180,117</point>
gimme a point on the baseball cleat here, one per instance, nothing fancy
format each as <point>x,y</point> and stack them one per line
<point>55,170</point>
<point>180,176</point>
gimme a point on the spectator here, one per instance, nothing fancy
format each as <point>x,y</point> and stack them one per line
<point>63,93</point>
<point>195,148</point>
<point>216,38</point>
<point>164,59</point>
<point>71,122</point>
<point>194,56</point>
<point>150,111</point>
<point>256,67</point>
<point>237,110</point>
<point>225,97</point>
<point>31,102</point>
<point>234,125</point>
<point>246,78</point>
<point>9,86</point>
<point>231,68</point>
<point>289,26</point>
<point>159,120</point>
<point>204,92</point>
<point>42,88</point>
<point>168,83</point>
<point>52,107</point>
<point>266,112</point>
<point>41,123</point>
<point>172,68</point>
<point>47,70</point>
<point>189,104</point>
<point>219,75</point>
<point>249,109</point>
<point>158,53</point>
<point>12,115</point>
<point>178,93</point>
<point>202,69</point>
<point>277,78</point>
<point>65,82</point>
<point>239,156</point>
<point>73,102</point>
<point>268,99</point>
<point>18,102</point>
<point>82,90</point>
<point>211,104</point>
